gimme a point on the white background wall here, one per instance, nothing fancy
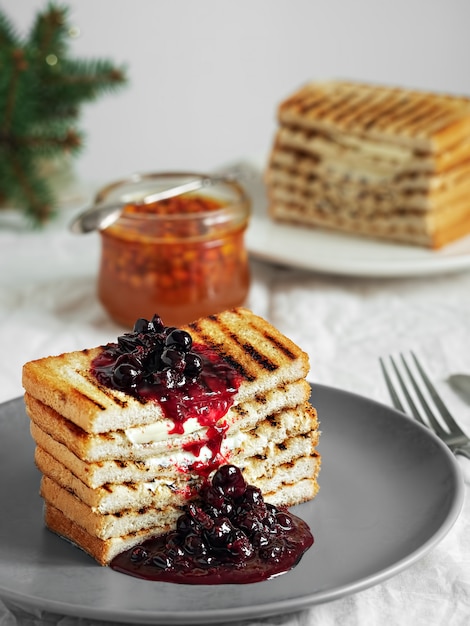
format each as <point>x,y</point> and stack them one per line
<point>206,76</point>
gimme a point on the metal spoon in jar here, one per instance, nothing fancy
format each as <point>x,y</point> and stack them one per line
<point>100,217</point>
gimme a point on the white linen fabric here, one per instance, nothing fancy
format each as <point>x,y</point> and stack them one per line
<point>48,305</point>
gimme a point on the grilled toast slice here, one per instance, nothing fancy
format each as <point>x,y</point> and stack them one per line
<point>281,439</point>
<point>140,443</point>
<point>263,357</point>
<point>280,490</point>
<point>384,162</point>
<point>424,121</point>
<point>105,536</point>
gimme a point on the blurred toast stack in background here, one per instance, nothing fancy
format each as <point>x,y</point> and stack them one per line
<point>385,162</point>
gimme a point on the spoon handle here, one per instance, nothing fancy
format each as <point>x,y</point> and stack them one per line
<point>100,217</point>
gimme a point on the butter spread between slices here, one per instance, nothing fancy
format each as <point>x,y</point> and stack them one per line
<point>159,431</point>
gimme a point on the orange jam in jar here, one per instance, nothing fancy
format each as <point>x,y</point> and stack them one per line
<point>183,257</point>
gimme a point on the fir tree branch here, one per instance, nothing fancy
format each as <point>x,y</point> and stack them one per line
<point>78,81</point>
<point>18,66</point>
<point>52,144</point>
<point>47,34</point>
<point>8,36</point>
<point>39,105</point>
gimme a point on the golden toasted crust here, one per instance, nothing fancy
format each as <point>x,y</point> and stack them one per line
<point>262,355</point>
<point>104,550</point>
<point>280,441</point>
<point>75,522</point>
<point>427,120</point>
<point>116,445</point>
<point>101,550</point>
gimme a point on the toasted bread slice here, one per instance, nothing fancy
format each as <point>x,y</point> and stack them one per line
<point>105,536</point>
<point>263,357</point>
<point>388,163</point>
<point>419,194</point>
<point>237,445</point>
<point>129,521</point>
<point>114,472</point>
<point>104,550</point>
<point>274,445</point>
<point>424,121</point>
<point>137,443</point>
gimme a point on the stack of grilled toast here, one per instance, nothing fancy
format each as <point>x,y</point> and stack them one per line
<point>115,471</point>
<point>385,162</point>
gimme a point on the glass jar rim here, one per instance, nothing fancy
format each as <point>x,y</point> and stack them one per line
<point>238,205</point>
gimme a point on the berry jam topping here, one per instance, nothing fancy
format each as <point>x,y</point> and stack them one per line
<point>230,535</point>
<point>161,363</point>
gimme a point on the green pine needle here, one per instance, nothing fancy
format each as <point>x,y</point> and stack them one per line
<point>42,90</point>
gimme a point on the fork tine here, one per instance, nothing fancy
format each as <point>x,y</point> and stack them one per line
<point>434,423</point>
<point>444,411</point>
<point>391,389</point>
<point>455,438</point>
<point>409,399</point>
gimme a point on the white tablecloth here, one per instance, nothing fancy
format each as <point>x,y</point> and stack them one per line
<point>48,305</point>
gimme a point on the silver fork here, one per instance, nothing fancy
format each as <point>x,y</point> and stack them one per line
<point>446,428</point>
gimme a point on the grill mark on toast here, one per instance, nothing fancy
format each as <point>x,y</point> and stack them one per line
<point>406,107</point>
<point>208,340</point>
<point>237,366</point>
<point>281,346</point>
<point>357,106</point>
<point>250,350</point>
<point>107,391</point>
<point>255,345</point>
<point>389,109</point>
<point>422,115</point>
<point>85,398</point>
<point>371,108</point>
<point>263,361</point>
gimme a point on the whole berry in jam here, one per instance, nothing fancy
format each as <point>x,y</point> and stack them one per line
<point>179,339</point>
<point>229,481</point>
<point>193,365</point>
<point>162,364</point>
<point>151,354</point>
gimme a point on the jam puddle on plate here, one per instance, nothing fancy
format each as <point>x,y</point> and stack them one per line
<point>229,536</point>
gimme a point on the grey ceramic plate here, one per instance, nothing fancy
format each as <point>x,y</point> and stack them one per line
<point>390,491</point>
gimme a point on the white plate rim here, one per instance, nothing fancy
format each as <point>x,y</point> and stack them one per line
<point>332,252</point>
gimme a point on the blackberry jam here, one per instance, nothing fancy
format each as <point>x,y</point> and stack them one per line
<point>228,533</point>
<point>229,536</point>
<point>157,362</point>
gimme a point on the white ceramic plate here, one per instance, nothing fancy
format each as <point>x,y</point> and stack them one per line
<point>390,491</point>
<point>338,253</point>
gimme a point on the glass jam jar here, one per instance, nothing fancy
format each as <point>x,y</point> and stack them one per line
<point>183,257</point>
